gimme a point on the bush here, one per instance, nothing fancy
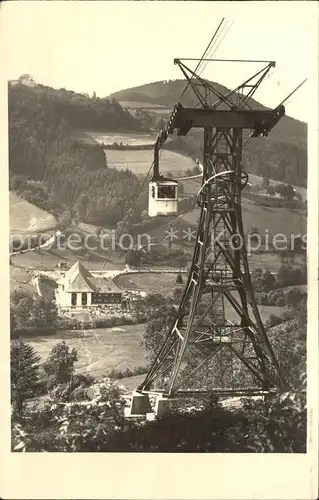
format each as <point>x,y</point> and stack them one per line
<point>177,294</point>
<point>67,323</point>
<point>263,299</point>
<point>153,300</point>
<point>109,322</point>
<point>179,279</point>
<point>129,372</point>
<point>277,426</point>
<point>77,426</point>
<point>74,390</point>
<point>280,302</point>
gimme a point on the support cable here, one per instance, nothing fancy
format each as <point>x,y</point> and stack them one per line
<point>227,29</point>
<point>204,54</point>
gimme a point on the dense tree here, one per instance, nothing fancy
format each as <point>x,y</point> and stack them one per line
<point>28,312</point>
<point>22,312</point>
<point>43,149</point>
<point>275,158</point>
<point>81,206</point>
<point>288,276</point>
<point>294,297</point>
<point>286,192</point>
<point>44,312</point>
<point>65,219</point>
<point>59,366</point>
<point>268,281</point>
<point>25,375</point>
<point>144,118</point>
<point>133,258</point>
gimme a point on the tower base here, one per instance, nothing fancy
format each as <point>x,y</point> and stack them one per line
<point>139,405</point>
<point>162,406</point>
<point>144,406</point>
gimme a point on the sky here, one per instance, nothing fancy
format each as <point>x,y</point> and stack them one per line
<point>109,46</point>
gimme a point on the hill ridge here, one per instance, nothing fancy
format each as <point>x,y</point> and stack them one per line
<point>139,89</point>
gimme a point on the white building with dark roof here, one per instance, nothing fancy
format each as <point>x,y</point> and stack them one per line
<point>78,289</point>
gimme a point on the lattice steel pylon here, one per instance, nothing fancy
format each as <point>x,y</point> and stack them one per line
<point>218,343</point>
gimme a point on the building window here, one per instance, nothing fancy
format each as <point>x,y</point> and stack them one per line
<point>106,298</point>
<point>166,192</point>
<point>84,299</point>
<point>73,299</point>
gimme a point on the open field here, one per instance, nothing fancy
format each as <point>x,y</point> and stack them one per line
<point>129,139</point>
<point>20,278</point>
<point>149,282</point>
<point>140,161</point>
<point>278,221</point>
<point>48,259</point>
<point>162,111</point>
<point>99,350</point>
<point>121,159</point>
<point>157,283</point>
<point>192,186</point>
<point>143,105</point>
<point>131,383</point>
<point>27,218</point>
<point>274,220</point>
<point>166,284</point>
<point>270,261</point>
<point>88,228</point>
<point>102,350</point>
<point>256,179</point>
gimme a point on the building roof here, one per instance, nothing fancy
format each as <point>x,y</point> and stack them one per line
<point>105,285</point>
<point>79,279</point>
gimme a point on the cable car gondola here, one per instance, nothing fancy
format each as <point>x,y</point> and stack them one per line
<point>162,198</point>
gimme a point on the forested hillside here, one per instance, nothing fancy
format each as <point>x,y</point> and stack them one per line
<point>51,169</point>
<point>281,156</point>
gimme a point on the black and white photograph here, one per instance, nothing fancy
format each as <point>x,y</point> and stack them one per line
<point>158,248</point>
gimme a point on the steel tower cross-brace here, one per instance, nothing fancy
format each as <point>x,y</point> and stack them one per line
<point>218,342</point>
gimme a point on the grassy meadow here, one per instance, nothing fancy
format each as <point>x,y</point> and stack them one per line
<point>100,350</point>
<point>27,218</point>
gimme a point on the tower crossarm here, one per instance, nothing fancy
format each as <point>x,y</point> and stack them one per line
<point>259,121</point>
